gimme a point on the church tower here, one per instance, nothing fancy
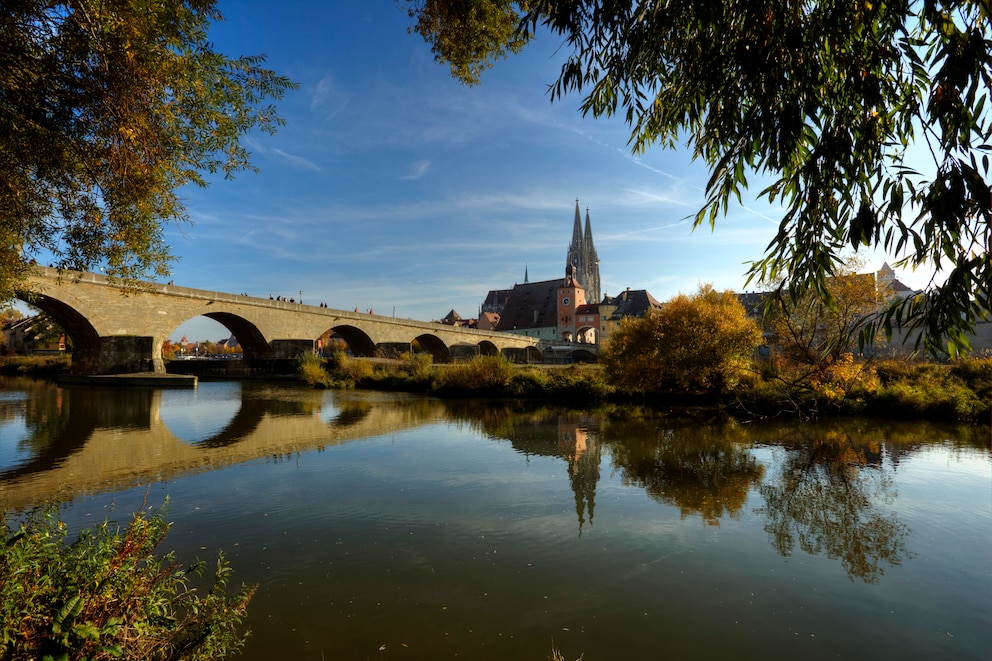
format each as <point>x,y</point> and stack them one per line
<point>570,297</point>
<point>582,256</point>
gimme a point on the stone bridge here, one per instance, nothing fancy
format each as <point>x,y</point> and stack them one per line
<point>114,331</point>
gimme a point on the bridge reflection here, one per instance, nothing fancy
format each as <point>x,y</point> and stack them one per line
<point>86,446</point>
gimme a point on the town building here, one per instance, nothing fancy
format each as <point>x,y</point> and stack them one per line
<point>32,335</point>
<point>568,309</point>
<point>890,289</point>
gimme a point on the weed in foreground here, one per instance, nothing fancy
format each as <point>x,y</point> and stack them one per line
<point>107,595</point>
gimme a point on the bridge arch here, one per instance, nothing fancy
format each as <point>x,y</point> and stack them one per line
<point>436,347</point>
<point>253,343</point>
<point>86,343</point>
<point>358,340</point>
<point>581,355</point>
<point>487,348</point>
<point>534,355</point>
<point>119,331</point>
<point>586,334</point>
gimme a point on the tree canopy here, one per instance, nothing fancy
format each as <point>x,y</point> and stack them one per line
<point>871,120</point>
<point>699,343</point>
<point>811,333</point>
<point>108,108</point>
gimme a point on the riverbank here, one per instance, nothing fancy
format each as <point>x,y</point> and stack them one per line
<point>958,391</point>
<point>919,390</point>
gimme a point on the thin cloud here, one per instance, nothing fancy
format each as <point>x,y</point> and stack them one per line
<point>297,161</point>
<point>327,93</point>
<point>417,170</point>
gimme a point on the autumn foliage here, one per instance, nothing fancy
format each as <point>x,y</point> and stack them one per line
<point>693,343</point>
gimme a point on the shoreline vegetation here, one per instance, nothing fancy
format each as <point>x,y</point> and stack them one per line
<point>957,391</point>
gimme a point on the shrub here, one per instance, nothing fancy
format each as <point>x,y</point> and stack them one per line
<point>960,391</point>
<point>311,369</point>
<point>481,374</point>
<point>38,366</point>
<point>575,384</point>
<point>977,374</point>
<point>418,366</point>
<point>107,595</point>
<point>348,370</point>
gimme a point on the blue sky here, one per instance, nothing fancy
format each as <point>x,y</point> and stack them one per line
<point>396,188</point>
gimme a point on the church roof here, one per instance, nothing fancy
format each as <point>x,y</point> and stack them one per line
<point>496,300</point>
<point>530,305</point>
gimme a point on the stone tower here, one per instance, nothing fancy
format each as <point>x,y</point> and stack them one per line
<point>583,258</point>
<point>570,297</point>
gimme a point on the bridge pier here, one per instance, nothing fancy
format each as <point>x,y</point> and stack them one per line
<point>122,354</point>
<point>290,348</point>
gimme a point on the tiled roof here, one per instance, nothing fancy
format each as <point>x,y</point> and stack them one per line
<point>530,305</point>
<point>496,300</point>
<point>631,303</point>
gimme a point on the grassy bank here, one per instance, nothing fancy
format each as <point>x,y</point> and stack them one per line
<point>36,366</point>
<point>958,391</point>
<point>961,390</point>
<point>484,376</point>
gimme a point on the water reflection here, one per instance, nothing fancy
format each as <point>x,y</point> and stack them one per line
<point>828,499</point>
<point>700,469</point>
<point>72,441</point>
<point>830,494</point>
<point>51,427</point>
<point>232,412</point>
<point>542,431</point>
<point>823,490</point>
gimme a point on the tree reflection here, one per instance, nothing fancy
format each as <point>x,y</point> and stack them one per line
<point>703,469</point>
<point>827,499</point>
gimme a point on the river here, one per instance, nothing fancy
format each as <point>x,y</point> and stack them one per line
<point>388,526</point>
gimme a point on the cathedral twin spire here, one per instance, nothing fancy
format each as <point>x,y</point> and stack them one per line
<point>583,258</point>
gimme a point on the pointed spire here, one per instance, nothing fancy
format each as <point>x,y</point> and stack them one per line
<point>577,228</point>
<point>526,279</point>
<point>587,236</point>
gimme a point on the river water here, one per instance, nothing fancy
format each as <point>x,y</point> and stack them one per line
<point>384,526</point>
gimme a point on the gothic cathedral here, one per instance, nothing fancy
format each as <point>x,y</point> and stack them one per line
<point>583,258</point>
